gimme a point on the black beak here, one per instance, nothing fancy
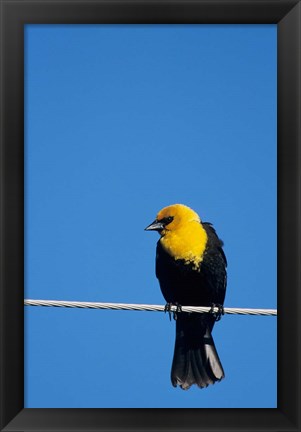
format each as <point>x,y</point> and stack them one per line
<point>155,226</point>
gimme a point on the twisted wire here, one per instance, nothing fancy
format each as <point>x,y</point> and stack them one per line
<point>146,307</point>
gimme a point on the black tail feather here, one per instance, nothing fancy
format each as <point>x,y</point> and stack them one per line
<point>195,358</point>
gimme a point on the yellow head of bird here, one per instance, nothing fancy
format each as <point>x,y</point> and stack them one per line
<point>182,234</point>
<point>172,218</point>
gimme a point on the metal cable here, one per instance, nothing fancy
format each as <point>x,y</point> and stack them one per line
<point>145,307</point>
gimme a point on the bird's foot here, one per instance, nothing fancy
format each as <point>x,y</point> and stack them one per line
<point>178,309</point>
<point>217,315</point>
<point>168,307</point>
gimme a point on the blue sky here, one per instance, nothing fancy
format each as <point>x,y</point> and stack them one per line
<point>122,120</point>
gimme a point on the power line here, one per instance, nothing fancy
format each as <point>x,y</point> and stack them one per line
<point>145,307</point>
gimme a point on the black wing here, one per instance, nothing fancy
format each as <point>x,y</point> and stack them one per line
<point>214,264</point>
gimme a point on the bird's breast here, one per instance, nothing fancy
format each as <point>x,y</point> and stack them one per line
<point>187,244</point>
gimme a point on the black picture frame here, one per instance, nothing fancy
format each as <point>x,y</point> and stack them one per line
<point>14,14</point>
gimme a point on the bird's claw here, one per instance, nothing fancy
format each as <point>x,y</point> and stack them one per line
<point>178,309</point>
<point>168,307</point>
<point>217,315</point>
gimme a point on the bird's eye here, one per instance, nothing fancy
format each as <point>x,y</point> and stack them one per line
<point>167,220</point>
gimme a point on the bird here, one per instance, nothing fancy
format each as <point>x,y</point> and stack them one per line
<point>191,267</point>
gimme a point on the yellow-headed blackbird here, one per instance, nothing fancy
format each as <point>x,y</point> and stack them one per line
<point>191,268</point>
